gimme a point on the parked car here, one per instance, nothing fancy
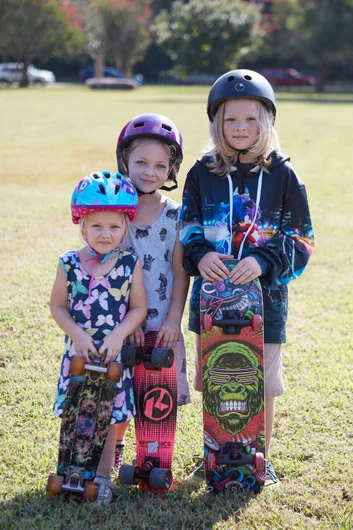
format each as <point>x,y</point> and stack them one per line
<point>88,72</point>
<point>12,73</point>
<point>288,77</point>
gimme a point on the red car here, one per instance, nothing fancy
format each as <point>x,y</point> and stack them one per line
<point>288,77</point>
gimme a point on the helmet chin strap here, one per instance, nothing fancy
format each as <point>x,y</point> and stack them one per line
<point>166,188</point>
<point>101,258</point>
<point>139,192</point>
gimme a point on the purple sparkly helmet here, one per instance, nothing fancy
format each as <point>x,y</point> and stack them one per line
<point>150,126</point>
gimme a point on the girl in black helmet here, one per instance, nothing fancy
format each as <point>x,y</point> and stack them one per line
<point>244,200</point>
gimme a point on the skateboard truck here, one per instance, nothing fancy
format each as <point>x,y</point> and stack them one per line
<point>72,482</point>
<point>230,324</point>
<point>150,471</point>
<point>152,358</point>
<point>235,453</point>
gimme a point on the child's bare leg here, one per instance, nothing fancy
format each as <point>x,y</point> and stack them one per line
<point>106,461</point>
<point>197,381</point>
<point>269,420</point>
<point>120,429</point>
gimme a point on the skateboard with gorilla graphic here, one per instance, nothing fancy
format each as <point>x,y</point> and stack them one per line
<point>155,390</point>
<point>233,385</point>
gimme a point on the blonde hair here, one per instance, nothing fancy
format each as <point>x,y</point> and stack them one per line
<point>137,142</point>
<point>225,156</point>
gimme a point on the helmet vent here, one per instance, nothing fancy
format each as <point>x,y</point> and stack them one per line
<point>164,126</point>
<point>102,188</point>
<point>95,176</point>
<point>248,77</point>
<point>230,78</point>
<point>117,188</point>
<point>139,124</point>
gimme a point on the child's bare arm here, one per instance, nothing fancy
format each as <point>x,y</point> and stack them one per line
<point>83,343</point>
<point>171,327</point>
<point>135,315</point>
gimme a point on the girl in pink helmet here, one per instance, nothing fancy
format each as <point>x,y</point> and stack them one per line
<point>149,152</point>
<point>98,296</point>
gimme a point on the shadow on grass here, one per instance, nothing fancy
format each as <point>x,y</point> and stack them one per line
<point>183,508</point>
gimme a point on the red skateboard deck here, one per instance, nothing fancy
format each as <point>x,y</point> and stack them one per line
<point>155,392</point>
<point>233,385</point>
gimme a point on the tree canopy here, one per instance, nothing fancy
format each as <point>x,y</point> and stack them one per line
<point>208,36</point>
<point>31,28</point>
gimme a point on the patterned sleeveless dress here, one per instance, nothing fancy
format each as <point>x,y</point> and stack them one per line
<point>98,315</point>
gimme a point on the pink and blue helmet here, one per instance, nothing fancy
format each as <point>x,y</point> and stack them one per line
<point>103,190</point>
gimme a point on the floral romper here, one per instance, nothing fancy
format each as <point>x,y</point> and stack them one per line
<point>98,315</point>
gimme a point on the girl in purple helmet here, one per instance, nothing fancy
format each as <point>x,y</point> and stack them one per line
<point>149,152</point>
<point>98,297</point>
<point>244,200</point>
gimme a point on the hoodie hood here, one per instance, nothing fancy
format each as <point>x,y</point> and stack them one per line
<point>277,160</point>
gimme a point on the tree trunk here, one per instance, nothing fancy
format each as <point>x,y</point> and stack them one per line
<point>99,61</point>
<point>24,79</point>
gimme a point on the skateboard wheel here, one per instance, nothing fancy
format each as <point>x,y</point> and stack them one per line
<point>206,322</point>
<point>128,355</point>
<point>77,365</point>
<point>259,461</point>
<point>161,478</point>
<point>114,371</point>
<point>54,484</point>
<point>90,492</point>
<point>210,462</point>
<point>162,358</point>
<point>256,322</point>
<point>127,475</point>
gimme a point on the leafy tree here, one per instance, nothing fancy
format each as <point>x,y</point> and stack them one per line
<point>34,28</point>
<point>88,15</point>
<point>115,29</point>
<point>208,36</point>
<point>126,28</point>
<point>316,32</point>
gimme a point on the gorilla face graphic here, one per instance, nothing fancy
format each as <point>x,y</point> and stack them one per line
<point>233,385</point>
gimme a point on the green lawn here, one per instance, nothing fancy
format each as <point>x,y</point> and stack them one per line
<point>50,138</point>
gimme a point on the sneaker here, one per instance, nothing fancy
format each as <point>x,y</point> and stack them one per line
<point>271,477</point>
<point>105,493</point>
<point>119,454</point>
<point>197,476</point>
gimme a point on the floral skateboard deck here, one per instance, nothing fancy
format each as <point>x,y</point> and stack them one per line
<point>233,385</point>
<point>85,423</point>
<point>155,389</point>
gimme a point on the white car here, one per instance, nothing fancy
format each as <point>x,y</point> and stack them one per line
<point>12,73</point>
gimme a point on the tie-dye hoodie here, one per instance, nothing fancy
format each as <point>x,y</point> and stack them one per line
<point>270,221</point>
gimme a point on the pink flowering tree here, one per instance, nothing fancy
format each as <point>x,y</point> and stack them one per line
<point>35,28</point>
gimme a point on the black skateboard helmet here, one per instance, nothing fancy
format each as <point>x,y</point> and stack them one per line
<point>240,84</point>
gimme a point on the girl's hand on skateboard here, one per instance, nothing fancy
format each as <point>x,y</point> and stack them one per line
<point>245,271</point>
<point>111,347</point>
<point>83,344</point>
<point>169,333</point>
<point>212,268</point>
<point>137,337</point>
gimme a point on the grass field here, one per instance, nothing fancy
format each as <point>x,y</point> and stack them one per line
<point>49,139</point>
